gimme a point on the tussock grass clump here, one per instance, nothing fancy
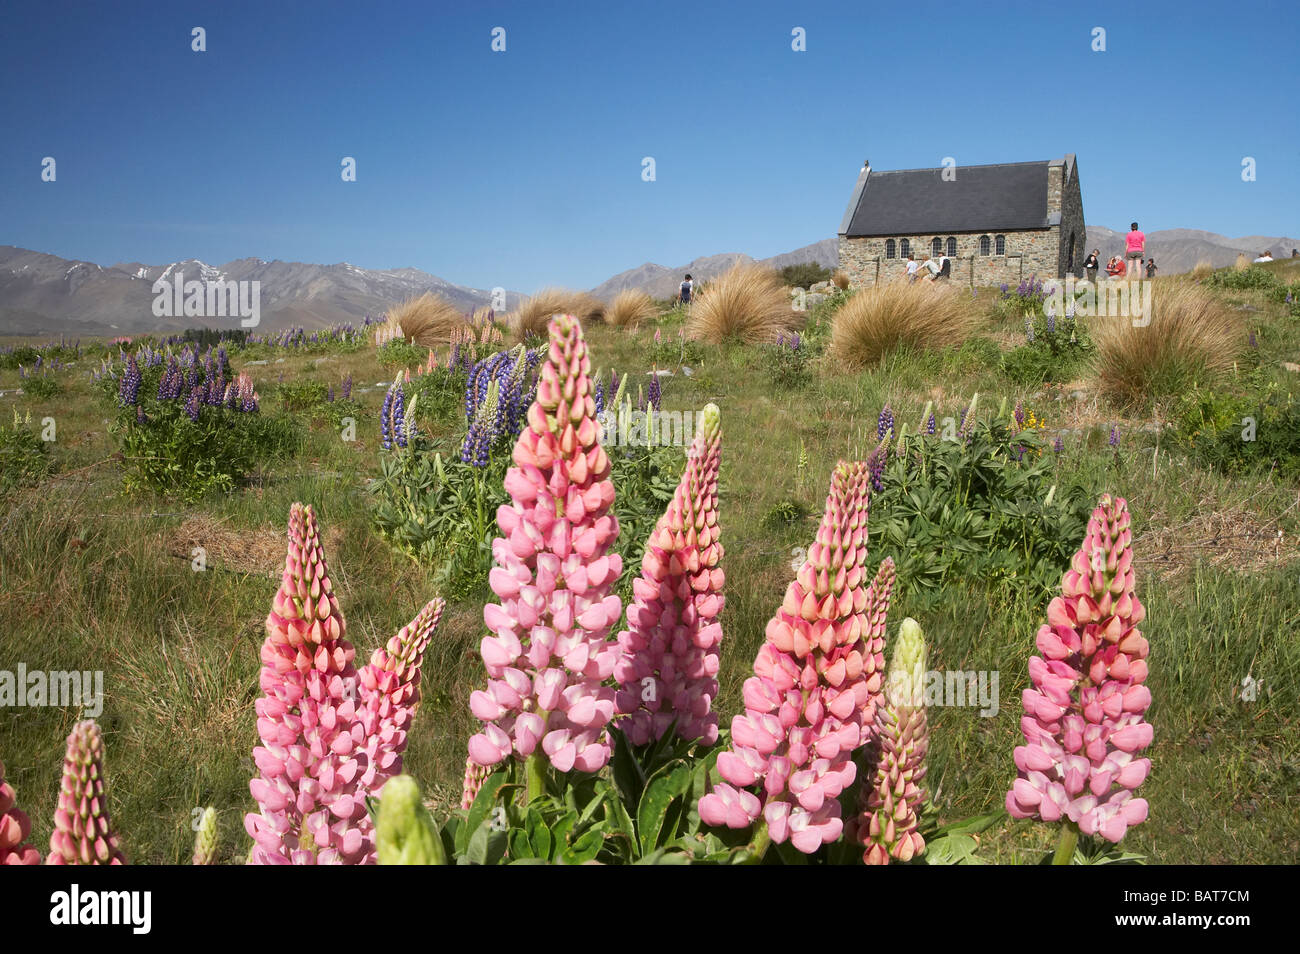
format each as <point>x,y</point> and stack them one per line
<point>749,303</point>
<point>630,308</point>
<point>1191,339</point>
<point>1203,270</point>
<point>841,279</point>
<point>884,318</point>
<point>536,310</point>
<point>426,321</point>
<point>1242,263</point>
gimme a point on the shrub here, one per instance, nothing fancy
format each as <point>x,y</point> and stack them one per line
<point>805,274</point>
<point>786,361</point>
<point>1244,279</point>
<point>182,437</point>
<point>41,384</point>
<point>1191,338</point>
<point>630,308</point>
<point>301,395</point>
<point>400,354</point>
<point>674,351</point>
<point>1026,298</point>
<point>748,304</point>
<point>536,310</point>
<point>1055,350</point>
<point>1237,435</point>
<point>425,321</point>
<point>980,506</point>
<point>884,318</point>
<point>24,457</point>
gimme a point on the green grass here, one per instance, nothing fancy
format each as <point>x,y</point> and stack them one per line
<point>87,583</point>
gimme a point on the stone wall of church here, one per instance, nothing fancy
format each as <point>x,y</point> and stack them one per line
<point>1036,252</point>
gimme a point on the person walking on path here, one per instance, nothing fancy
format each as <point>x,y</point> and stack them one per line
<point>687,287</point>
<point>1135,244</point>
<point>1151,268</point>
<point>911,268</point>
<point>1090,266</point>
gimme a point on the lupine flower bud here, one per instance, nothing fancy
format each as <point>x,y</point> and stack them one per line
<point>1083,721</point>
<point>83,832</point>
<point>205,839</point>
<point>814,688</point>
<point>389,687</point>
<point>884,423</point>
<point>15,827</point>
<point>892,797</point>
<point>404,832</point>
<point>312,758</point>
<point>549,650</point>
<point>475,775</point>
<point>129,388</point>
<point>876,461</point>
<point>669,664</point>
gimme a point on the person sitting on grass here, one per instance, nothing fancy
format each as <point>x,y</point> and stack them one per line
<point>1115,267</point>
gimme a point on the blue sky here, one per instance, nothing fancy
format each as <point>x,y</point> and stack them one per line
<point>524,168</point>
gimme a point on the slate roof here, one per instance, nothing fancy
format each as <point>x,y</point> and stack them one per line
<point>1003,197</point>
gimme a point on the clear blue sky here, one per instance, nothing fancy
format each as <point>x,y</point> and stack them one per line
<point>523,168</point>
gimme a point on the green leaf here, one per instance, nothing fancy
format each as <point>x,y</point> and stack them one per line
<point>484,802</point>
<point>669,783</point>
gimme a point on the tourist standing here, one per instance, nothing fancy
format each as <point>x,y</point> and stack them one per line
<point>1151,268</point>
<point>687,288</point>
<point>911,268</point>
<point>1090,266</point>
<point>1135,244</point>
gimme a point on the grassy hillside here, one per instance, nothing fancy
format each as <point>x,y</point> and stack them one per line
<point>94,578</point>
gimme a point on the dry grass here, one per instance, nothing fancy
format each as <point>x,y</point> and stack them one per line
<point>537,310</point>
<point>259,552</point>
<point>1242,263</point>
<point>630,308</point>
<point>748,303</point>
<point>426,321</point>
<point>1191,339</point>
<point>1203,270</point>
<point>884,318</point>
<point>841,279</point>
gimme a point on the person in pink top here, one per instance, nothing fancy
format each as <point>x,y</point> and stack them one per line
<point>1135,244</point>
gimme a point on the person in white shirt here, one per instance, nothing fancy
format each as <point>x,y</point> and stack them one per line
<point>932,266</point>
<point>1265,257</point>
<point>911,268</point>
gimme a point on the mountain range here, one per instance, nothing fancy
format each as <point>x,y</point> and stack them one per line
<point>46,294</point>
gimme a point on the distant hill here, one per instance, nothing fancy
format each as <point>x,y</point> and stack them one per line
<point>41,294</point>
<point>662,282</point>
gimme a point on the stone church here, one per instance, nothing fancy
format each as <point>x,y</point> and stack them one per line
<point>998,223</point>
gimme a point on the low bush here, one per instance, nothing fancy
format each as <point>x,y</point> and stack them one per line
<point>786,362</point>
<point>1054,350</point>
<point>1190,339</point>
<point>748,303</point>
<point>881,319</point>
<point>984,504</point>
<point>805,274</point>
<point>1244,279</point>
<point>631,308</point>
<point>1241,434</point>
<point>24,457</point>
<point>188,434</point>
